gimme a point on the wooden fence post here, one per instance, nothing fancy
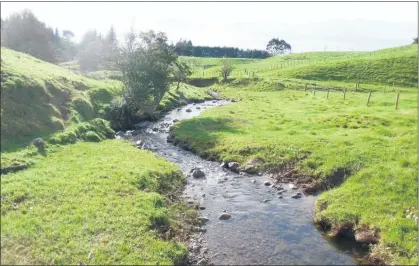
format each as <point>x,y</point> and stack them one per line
<point>327,97</point>
<point>397,100</point>
<point>393,87</point>
<point>369,97</point>
<point>344,93</point>
<point>314,91</point>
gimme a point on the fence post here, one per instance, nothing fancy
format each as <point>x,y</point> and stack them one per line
<point>327,97</point>
<point>393,87</point>
<point>314,91</point>
<point>369,97</point>
<point>397,100</point>
<point>344,93</point>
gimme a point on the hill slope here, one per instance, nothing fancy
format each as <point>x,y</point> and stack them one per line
<point>382,67</point>
<point>38,98</point>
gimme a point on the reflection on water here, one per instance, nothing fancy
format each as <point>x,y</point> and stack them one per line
<point>279,231</point>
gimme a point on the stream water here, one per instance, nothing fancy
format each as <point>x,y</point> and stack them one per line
<point>263,229</point>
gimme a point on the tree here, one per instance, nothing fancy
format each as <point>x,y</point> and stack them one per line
<point>23,32</point>
<point>181,71</point>
<point>68,34</point>
<point>415,40</point>
<point>278,47</point>
<point>111,51</point>
<point>69,49</point>
<point>146,63</point>
<point>226,69</point>
<point>183,47</point>
<point>91,51</point>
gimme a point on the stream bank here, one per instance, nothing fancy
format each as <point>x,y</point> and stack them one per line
<point>245,219</point>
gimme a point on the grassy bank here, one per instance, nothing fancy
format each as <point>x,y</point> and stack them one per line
<point>370,151</point>
<point>39,99</point>
<point>92,203</point>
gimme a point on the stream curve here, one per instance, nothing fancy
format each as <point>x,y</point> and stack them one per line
<point>263,228</point>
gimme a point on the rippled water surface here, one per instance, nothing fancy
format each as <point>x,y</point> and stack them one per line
<point>263,229</point>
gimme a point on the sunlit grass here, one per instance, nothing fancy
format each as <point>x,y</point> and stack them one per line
<point>376,146</point>
<point>90,203</point>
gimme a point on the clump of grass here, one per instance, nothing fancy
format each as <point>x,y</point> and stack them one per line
<point>85,204</point>
<point>95,130</point>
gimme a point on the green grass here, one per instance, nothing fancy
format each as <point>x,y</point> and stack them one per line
<point>38,98</point>
<point>383,67</point>
<point>375,145</point>
<point>175,98</point>
<point>88,198</point>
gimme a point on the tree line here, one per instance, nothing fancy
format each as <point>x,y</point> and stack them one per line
<point>24,32</point>
<point>186,48</point>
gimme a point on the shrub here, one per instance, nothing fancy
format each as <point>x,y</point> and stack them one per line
<point>84,108</point>
<point>91,136</point>
<point>66,137</point>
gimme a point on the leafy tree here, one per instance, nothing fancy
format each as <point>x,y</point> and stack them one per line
<point>183,47</point>
<point>146,63</point>
<point>226,69</point>
<point>23,32</point>
<point>91,51</point>
<point>111,55</point>
<point>278,47</point>
<point>181,71</point>
<point>69,49</point>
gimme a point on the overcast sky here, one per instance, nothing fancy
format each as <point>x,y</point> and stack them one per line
<point>306,26</point>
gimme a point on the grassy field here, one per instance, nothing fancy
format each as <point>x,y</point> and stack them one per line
<point>86,200</point>
<point>382,67</point>
<point>370,152</point>
<point>95,204</point>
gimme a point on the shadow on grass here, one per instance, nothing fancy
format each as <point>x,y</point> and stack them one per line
<point>202,134</point>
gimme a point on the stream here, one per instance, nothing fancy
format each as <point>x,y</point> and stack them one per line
<point>263,228</point>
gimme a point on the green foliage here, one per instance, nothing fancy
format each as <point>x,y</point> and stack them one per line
<point>95,130</point>
<point>226,69</point>
<point>84,204</point>
<point>147,59</point>
<point>186,48</point>
<point>84,108</point>
<point>91,136</point>
<point>278,47</point>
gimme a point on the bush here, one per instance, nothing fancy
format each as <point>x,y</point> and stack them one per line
<point>84,108</point>
<point>91,136</point>
<point>95,130</point>
<point>62,138</point>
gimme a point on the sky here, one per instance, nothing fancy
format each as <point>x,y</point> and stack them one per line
<point>307,26</point>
